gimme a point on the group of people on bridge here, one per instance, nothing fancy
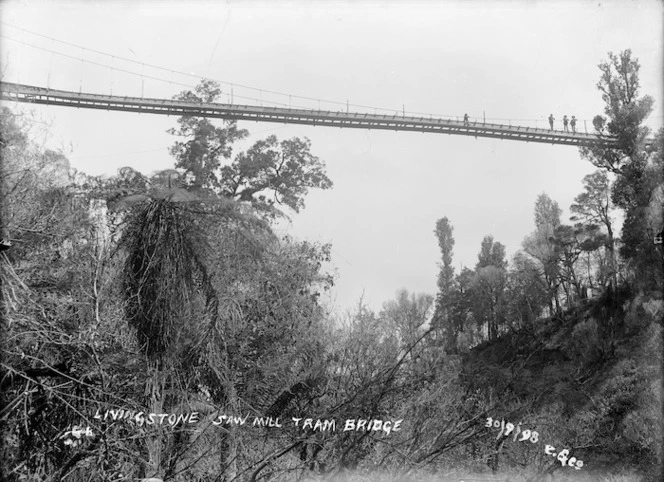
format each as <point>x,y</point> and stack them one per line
<point>567,123</point>
<point>571,122</point>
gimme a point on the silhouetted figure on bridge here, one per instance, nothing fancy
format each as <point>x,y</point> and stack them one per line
<point>551,119</point>
<point>573,124</point>
<point>465,120</point>
<point>565,122</point>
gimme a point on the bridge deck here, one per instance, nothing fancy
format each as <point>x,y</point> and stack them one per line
<point>40,95</point>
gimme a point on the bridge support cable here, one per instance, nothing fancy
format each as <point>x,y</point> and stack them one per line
<point>40,95</point>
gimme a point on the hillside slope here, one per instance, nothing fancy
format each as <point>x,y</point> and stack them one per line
<point>589,380</point>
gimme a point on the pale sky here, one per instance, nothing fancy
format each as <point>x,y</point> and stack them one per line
<point>515,61</point>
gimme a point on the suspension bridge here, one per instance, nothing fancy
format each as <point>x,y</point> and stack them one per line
<point>40,95</point>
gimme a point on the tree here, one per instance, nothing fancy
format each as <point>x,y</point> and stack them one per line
<point>184,234</point>
<point>488,285</point>
<point>639,192</point>
<point>249,323</point>
<point>487,296</point>
<point>593,207</point>
<point>166,281</point>
<point>225,313</point>
<point>630,160</point>
<point>526,291</point>
<point>547,212</point>
<point>619,85</point>
<point>491,254</point>
<point>284,170</point>
<point>569,242</point>
<point>207,145</point>
<point>441,318</point>
<point>460,311</point>
<point>269,173</point>
<point>444,233</point>
<point>540,245</point>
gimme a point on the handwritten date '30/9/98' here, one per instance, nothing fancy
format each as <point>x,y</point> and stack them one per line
<point>533,436</point>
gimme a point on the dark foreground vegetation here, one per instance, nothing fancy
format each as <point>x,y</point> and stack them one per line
<point>171,295</point>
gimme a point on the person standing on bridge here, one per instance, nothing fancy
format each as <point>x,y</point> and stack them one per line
<point>551,119</point>
<point>565,121</point>
<point>465,120</point>
<point>573,124</point>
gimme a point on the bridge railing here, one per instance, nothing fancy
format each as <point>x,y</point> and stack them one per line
<point>40,95</point>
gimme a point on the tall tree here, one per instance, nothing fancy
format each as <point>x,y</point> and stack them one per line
<point>272,173</point>
<point>488,286</point>
<point>442,321</point>
<point>460,311</point>
<point>593,206</point>
<point>527,291</point>
<point>488,300</point>
<point>568,245</point>
<point>540,245</point>
<point>225,313</point>
<point>444,234</point>
<point>630,160</point>
<point>619,85</point>
<point>268,174</point>
<point>166,282</point>
<point>547,212</point>
<point>207,146</point>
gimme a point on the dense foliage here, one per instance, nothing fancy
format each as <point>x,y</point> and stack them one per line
<point>172,294</point>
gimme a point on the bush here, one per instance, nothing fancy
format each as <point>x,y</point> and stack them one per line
<point>586,341</point>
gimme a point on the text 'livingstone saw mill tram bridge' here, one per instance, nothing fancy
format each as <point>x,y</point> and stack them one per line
<point>286,115</point>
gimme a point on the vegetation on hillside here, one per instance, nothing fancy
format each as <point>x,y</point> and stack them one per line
<point>172,294</point>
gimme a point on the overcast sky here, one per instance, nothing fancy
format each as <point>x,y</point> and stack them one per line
<point>511,61</point>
